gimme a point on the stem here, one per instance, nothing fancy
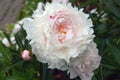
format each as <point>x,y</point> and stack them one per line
<point>44,71</point>
<point>44,1</point>
<point>101,72</point>
<point>50,76</point>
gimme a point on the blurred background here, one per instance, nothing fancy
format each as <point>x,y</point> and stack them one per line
<point>106,19</point>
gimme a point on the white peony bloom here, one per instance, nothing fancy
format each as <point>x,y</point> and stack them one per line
<point>39,11</point>
<point>58,32</point>
<point>84,65</point>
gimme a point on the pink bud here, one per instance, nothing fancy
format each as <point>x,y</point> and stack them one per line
<point>26,55</point>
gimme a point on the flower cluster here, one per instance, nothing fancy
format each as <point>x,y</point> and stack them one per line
<point>62,36</point>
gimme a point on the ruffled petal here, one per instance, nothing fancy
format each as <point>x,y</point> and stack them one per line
<point>84,65</point>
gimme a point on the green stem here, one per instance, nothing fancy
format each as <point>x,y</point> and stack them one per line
<point>44,71</point>
<point>44,1</point>
<point>50,76</point>
<point>101,72</point>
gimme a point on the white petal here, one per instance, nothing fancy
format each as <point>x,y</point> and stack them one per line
<point>61,1</point>
<point>84,65</point>
<point>6,42</point>
<point>39,11</point>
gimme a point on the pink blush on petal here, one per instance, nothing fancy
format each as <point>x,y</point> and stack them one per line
<point>52,16</point>
<point>62,25</point>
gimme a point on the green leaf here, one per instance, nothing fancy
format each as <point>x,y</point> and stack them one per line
<point>114,51</point>
<point>5,52</point>
<point>19,41</point>
<point>117,2</point>
<point>16,64</point>
<point>110,58</point>
<point>27,45</point>
<point>113,9</point>
<point>7,36</point>
<point>2,74</point>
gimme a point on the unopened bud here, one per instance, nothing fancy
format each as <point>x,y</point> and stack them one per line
<point>26,55</point>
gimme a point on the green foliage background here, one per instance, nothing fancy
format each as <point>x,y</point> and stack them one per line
<point>107,31</point>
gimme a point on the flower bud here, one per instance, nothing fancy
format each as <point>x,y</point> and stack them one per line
<point>6,42</point>
<point>26,55</point>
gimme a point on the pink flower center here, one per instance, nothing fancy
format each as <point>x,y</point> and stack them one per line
<point>62,25</point>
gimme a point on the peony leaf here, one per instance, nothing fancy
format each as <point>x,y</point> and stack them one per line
<point>114,51</point>
<point>110,56</point>
<point>118,2</point>
<point>113,9</point>
<point>2,74</point>
<point>5,52</point>
<point>19,41</point>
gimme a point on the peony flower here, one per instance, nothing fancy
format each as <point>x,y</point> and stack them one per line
<point>84,65</point>
<point>25,55</point>
<point>58,33</point>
